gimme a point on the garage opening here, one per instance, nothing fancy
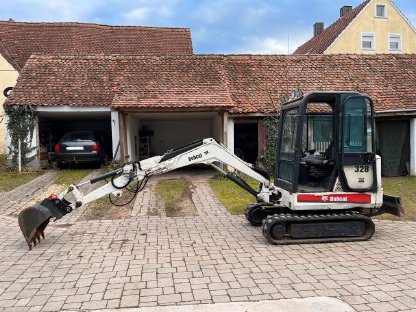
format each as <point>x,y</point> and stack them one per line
<point>393,145</point>
<point>246,140</point>
<point>53,125</point>
<point>153,134</point>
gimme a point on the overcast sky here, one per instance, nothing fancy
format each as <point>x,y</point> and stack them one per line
<point>217,26</point>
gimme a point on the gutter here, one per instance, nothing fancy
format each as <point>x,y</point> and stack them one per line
<point>393,113</point>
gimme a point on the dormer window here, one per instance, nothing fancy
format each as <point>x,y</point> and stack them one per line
<point>381,11</point>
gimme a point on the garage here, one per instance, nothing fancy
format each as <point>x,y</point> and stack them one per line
<point>153,134</point>
<point>52,125</point>
<point>393,145</point>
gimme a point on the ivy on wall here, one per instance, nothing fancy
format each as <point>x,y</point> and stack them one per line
<point>268,159</point>
<point>21,125</point>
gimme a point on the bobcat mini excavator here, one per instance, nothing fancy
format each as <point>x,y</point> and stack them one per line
<point>326,186</point>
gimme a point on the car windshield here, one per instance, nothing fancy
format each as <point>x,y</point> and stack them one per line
<point>78,136</point>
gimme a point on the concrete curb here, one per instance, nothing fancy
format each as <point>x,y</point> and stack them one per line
<point>321,304</point>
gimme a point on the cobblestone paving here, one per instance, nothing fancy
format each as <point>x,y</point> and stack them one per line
<point>18,198</point>
<point>213,257</point>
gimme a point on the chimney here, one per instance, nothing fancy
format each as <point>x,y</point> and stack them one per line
<point>345,10</point>
<point>318,28</point>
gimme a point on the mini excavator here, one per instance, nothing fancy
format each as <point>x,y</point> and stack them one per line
<point>326,186</point>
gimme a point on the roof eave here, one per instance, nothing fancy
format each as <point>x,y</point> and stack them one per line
<point>396,112</point>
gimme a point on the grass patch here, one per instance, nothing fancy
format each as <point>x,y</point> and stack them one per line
<point>176,195</point>
<point>10,178</point>
<point>233,197</point>
<point>405,188</point>
<point>71,176</point>
<point>3,161</point>
<point>103,209</point>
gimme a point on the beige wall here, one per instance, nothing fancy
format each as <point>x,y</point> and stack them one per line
<point>350,40</point>
<point>8,77</point>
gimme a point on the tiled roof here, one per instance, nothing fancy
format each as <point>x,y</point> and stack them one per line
<point>123,81</point>
<point>321,42</point>
<point>241,84</point>
<point>18,41</point>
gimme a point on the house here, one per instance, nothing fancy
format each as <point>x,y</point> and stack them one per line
<point>173,99</point>
<point>18,41</point>
<point>375,26</point>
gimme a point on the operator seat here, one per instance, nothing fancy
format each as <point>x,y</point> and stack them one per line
<point>321,168</point>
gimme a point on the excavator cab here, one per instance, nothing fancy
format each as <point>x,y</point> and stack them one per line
<point>326,143</point>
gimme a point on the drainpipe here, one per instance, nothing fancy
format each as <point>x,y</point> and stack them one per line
<point>413,147</point>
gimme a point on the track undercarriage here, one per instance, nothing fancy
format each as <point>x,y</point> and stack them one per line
<point>282,227</point>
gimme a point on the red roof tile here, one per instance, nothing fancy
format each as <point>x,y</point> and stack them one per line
<point>321,42</point>
<point>18,41</point>
<point>240,84</point>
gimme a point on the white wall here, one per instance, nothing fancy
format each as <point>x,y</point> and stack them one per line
<point>132,137</point>
<point>230,134</point>
<point>170,134</point>
<point>217,127</point>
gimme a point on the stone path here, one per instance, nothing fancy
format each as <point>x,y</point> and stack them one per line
<point>19,197</point>
<point>210,258</point>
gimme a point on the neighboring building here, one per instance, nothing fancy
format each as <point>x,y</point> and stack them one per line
<point>18,41</point>
<point>375,26</point>
<point>172,100</point>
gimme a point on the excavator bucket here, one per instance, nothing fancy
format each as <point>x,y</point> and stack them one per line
<point>33,220</point>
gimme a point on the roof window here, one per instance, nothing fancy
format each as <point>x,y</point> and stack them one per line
<point>381,11</point>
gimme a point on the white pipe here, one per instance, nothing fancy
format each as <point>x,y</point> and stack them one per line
<point>20,155</point>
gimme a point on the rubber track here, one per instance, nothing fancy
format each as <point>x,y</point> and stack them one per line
<point>288,218</point>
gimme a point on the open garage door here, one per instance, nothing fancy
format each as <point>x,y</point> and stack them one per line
<point>246,140</point>
<point>393,145</point>
<point>53,125</point>
<point>154,133</point>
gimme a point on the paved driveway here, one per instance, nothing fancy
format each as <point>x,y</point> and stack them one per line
<point>213,257</point>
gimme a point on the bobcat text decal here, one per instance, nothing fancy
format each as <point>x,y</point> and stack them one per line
<point>335,198</point>
<point>194,157</point>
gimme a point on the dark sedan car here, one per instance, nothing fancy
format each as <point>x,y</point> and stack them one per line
<point>81,147</point>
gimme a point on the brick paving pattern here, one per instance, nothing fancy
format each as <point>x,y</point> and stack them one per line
<point>149,260</point>
<point>16,199</point>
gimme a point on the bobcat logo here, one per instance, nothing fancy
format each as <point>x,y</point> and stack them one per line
<point>194,157</point>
